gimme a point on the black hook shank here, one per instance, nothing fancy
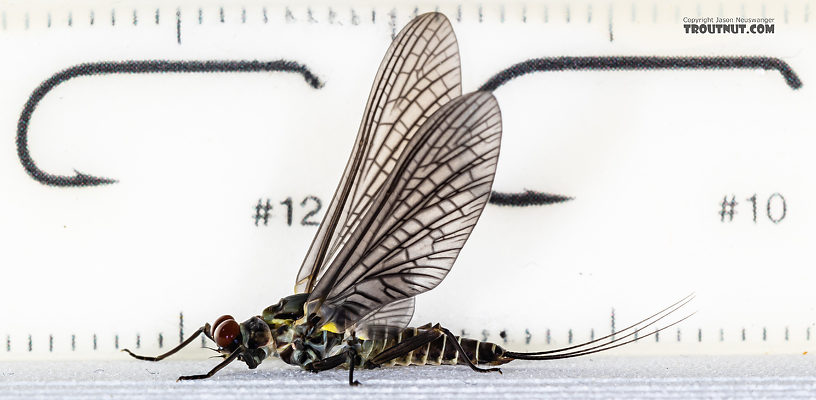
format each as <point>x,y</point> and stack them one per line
<point>616,63</point>
<point>526,198</point>
<point>130,67</point>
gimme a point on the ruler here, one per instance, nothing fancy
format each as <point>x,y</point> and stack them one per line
<point>170,164</point>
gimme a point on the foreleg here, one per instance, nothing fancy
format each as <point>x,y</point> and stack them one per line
<point>204,329</point>
<point>217,368</point>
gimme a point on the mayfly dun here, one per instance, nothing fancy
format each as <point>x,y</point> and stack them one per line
<point>418,178</point>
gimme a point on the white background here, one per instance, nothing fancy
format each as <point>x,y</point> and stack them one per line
<point>647,155</point>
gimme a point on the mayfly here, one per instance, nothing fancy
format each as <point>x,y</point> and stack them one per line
<point>418,178</point>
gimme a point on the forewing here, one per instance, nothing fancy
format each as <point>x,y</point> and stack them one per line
<point>419,73</point>
<point>425,213</point>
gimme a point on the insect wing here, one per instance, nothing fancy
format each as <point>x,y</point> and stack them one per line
<point>386,321</point>
<point>419,73</point>
<point>423,216</point>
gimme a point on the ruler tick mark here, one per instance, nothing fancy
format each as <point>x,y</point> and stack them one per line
<point>135,17</point>
<point>200,15</point>
<point>70,19</point>
<point>243,15</point>
<point>265,17</point>
<point>612,322</point>
<point>221,14</point>
<point>178,25</point>
<point>393,22</point>
<point>611,34</point>
<point>113,17</point>
<point>91,19</point>
<point>157,16</point>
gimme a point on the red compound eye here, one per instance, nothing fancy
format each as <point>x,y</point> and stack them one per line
<point>219,321</point>
<point>227,333</point>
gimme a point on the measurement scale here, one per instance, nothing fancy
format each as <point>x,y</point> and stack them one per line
<point>632,187</point>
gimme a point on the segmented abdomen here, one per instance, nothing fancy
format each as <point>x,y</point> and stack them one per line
<point>439,351</point>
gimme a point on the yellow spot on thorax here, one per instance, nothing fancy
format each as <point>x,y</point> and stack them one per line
<point>331,327</point>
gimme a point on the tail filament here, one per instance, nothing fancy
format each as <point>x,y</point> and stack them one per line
<point>611,341</point>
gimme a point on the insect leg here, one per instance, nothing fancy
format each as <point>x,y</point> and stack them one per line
<point>327,363</point>
<point>406,346</point>
<point>217,368</point>
<point>204,329</point>
<point>351,353</point>
<point>462,352</point>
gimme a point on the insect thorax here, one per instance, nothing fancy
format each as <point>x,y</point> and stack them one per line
<point>296,349</point>
<point>296,342</point>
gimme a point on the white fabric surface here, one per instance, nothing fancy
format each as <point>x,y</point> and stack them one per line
<point>783,377</point>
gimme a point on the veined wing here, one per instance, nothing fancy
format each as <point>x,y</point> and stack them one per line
<point>419,73</point>
<point>424,213</point>
<point>386,321</point>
